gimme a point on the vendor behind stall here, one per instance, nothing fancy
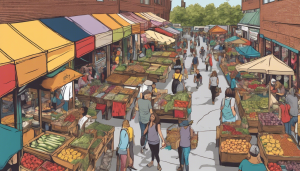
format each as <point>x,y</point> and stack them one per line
<point>82,121</point>
<point>253,162</point>
<point>280,90</point>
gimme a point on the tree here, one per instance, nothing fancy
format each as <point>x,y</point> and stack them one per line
<point>196,15</point>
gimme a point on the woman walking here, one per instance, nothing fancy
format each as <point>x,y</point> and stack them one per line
<point>130,133</point>
<point>186,133</point>
<point>228,113</point>
<point>195,46</point>
<point>191,47</point>
<point>153,129</point>
<point>213,84</point>
<point>123,149</point>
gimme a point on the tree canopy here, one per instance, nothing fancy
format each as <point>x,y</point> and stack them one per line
<point>196,15</point>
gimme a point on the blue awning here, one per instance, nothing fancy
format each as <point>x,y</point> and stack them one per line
<point>66,28</point>
<point>261,35</point>
<point>10,144</point>
<point>247,51</point>
<point>285,46</point>
<point>233,38</point>
<point>52,74</point>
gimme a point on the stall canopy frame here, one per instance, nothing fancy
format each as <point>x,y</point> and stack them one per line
<point>217,30</point>
<point>84,43</point>
<point>159,30</point>
<point>8,74</point>
<point>171,30</point>
<point>145,18</point>
<point>135,18</point>
<point>248,51</point>
<point>122,22</point>
<point>26,55</point>
<point>103,35</point>
<point>117,29</point>
<point>135,26</point>
<point>159,37</point>
<point>59,50</point>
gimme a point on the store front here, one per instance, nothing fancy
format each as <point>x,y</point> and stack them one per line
<point>253,33</point>
<point>116,55</point>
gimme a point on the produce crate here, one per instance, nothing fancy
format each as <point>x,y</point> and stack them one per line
<point>252,123</point>
<point>83,98</point>
<point>63,129</point>
<point>47,162</point>
<point>226,157</point>
<point>271,158</point>
<point>277,129</point>
<point>44,155</point>
<point>23,168</point>
<point>66,164</point>
<point>84,150</point>
<point>93,131</point>
<point>97,151</point>
<point>98,100</point>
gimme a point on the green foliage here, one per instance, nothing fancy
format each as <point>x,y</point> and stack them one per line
<point>196,15</point>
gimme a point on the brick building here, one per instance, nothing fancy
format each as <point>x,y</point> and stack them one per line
<point>12,11</point>
<point>278,33</point>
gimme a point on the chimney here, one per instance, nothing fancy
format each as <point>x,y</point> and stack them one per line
<point>182,3</point>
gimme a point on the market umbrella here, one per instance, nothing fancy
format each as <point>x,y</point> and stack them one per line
<point>233,38</point>
<point>247,51</point>
<point>238,41</point>
<point>247,42</point>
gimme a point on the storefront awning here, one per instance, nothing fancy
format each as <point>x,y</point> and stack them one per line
<point>267,65</point>
<point>159,37</point>
<point>159,30</point>
<point>135,26</point>
<point>285,46</point>
<point>59,50</point>
<point>8,74</point>
<point>30,60</point>
<point>60,79</point>
<point>84,43</point>
<point>252,18</point>
<point>248,51</point>
<point>150,17</point>
<point>103,35</point>
<point>217,30</point>
<point>10,144</point>
<point>156,23</point>
<point>122,22</point>
<point>136,19</point>
<point>113,25</point>
<point>145,18</point>
<point>233,38</point>
<point>171,30</point>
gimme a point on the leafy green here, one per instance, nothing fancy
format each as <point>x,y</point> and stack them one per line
<point>255,82</point>
<point>83,142</point>
<point>243,131</point>
<point>92,112</point>
<point>26,119</point>
<point>167,61</point>
<point>244,120</point>
<point>182,96</point>
<point>85,163</point>
<point>96,143</point>
<point>101,128</point>
<point>231,68</point>
<point>120,68</point>
<point>226,132</point>
<point>76,161</point>
<point>148,53</point>
<point>95,82</point>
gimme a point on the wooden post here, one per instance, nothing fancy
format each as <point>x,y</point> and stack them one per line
<point>73,94</point>
<point>18,119</point>
<point>40,106</point>
<point>269,95</point>
<point>108,49</point>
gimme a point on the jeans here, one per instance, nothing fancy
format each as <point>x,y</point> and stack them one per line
<point>199,81</point>
<point>155,152</point>
<point>288,126</point>
<point>213,92</point>
<point>185,156</point>
<point>131,150</point>
<point>143,127</point>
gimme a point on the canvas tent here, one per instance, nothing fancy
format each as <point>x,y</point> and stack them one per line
<point>247,51</point>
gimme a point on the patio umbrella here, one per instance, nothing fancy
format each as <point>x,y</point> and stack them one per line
<point>238,41</point>
<point>233,38</point>
<point>247,42</point>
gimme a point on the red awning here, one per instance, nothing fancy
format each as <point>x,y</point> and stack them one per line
<point>7,74</point>
<point>159,30</point>
<point>248,43</point>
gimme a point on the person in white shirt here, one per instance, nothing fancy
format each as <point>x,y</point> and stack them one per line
<point>67,94</point>
<point>83,119</point>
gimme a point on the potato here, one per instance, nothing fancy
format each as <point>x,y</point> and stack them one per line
<point>273,145</point>
<point>244,140</point>
<point>272,141</point>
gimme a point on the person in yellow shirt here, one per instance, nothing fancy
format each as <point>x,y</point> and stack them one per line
<point>177,75</point>
<point>117,59</point>
<point>131,141</point>
<point>154,89</point>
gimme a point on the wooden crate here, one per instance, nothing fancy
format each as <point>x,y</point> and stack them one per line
<point>95,153</point>
<point>271,158</point>
<point>81,149</point>
<point>252,123</point>
<point>64,129</point>
<point>253,130</point>
<point>83,97</point>
<point>94,132</point>
<point>277,129</point>
<point>232,157</point>
<point>98,100</point>
<point>44,155</point>
<point>22,168</point>
<point>66,164</point>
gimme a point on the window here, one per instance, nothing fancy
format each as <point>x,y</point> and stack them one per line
<point>276,50</point>
<point>268,1</point>
<point>284,55</point>
<point>268,47</point>
<point>147,2</point>
<point>142,1</point>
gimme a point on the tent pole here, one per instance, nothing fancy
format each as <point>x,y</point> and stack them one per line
<point>269,95</point>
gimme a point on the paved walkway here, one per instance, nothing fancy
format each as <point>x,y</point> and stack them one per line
<point>206,117</point>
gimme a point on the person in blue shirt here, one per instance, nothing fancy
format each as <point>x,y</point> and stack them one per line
<point>123,149</point>
<point>254,162</point>
<point>233,83</point>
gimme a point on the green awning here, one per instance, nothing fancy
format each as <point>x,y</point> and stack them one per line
<point>127,31</point>
<point>255,19</point>
<point>247,18</point>
<point>52,74</point>
<point>117,34</point>
<point>212,43</point>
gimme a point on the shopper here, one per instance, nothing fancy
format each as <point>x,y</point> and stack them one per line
<point>210,61</point>
<point>195,62</point>
<point>253,162</point>
<point>123,151</point>
<point>220,58</point>
<point>130,133</point>
<point>199,40</point>
<point>191,47</point>
<point>82,121</point>
<point>177,78</point>
<point>228,113</point>
<point>198,78</point>
<point>207,62</point>
<point>213,84</point>
<point>186,133</point>
<point>196,42</point>
<point>280,90</point>
<point>233,82</point>
<point>144,107</point>
<point>153,129</point>
<point>195,48</point>
<point>292,100</point>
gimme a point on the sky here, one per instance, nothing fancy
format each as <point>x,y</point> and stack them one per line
<point>203,3</point>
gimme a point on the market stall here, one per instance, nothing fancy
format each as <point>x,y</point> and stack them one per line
<point>8,82</point>
<point>136,19</point>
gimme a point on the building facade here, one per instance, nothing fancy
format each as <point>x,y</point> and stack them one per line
<point>12,11</point>
<point>278,34</point>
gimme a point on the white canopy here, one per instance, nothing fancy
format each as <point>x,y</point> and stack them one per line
<point>267,65</point>
<point>159,37</point>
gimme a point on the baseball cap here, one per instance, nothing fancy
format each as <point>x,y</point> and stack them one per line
<point>254,149</point>
<point>273,81</point>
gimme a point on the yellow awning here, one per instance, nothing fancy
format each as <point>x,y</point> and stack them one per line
<point>30,59</point>
<point>60,50</point>
<point>60,79</point>
<point>140,15</point>
<point>155,16</point>
<point>159,37</point>
<point>119,20</point>
<point>106,20</point>
<point>4,59</point>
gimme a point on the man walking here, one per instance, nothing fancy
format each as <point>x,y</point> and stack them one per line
<point>144,107</point>
<point>195,62</point>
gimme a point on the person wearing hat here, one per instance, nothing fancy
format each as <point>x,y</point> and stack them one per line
<point>273,81</point>
<point>144,107</point>
<point>253,162</point>
<point>184,148</point>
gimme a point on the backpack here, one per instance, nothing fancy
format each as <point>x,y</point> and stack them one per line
<point>226,111</point>
<point>195,60</point>
<point>117,153</point>
<point>175,83</point>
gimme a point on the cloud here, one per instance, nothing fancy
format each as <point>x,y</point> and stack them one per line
<point>204,3</point>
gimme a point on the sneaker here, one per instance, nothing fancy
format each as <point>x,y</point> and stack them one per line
<point>142,151</point>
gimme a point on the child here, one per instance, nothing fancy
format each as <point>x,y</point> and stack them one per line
<point>198,78</point>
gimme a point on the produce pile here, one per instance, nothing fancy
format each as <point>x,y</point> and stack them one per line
<point>49,166</point>
<point>121,68</point>
<point>101,128</point>
<point>85,163</point>
<point>130,81</point>
<point>127,91</point>
<point>252,116</point>
<point>116,90</point>
<point>135,68</point>
<point>274,167</point>
<point>248,76</point>
<point>181,104</point>
<point>121,98</point>
<point>83,142</point>
<point>70,118</point>
<point>269,119</point>
<point>95,82</point>
<point>94,90</point>
<point>151,60</point>
<point>84,90</point>
<point>288,146</point>
<point>148,53</point>
<point>30,161</point>
<point>181,96</point>
<point>271,145</point>
<point>227,129</point>
<point>166,54</point>
<point>137,81</point>
<point>167,61</point>
<point>158,53</point>
<point>111,87</point>
<point>48,143</point>
<point>231,68</point>
<point>290,165</point>
<point>235,146</point>
<point>255,104</point>
<point>173,54</point>
<point>95,145</point>
<point>69,155</point>
<point>109,96</point>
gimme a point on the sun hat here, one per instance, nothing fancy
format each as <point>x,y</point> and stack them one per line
<point>254,149</point>
<point>184,123</point>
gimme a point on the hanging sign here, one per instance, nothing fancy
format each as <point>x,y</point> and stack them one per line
<point>244,28</point>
